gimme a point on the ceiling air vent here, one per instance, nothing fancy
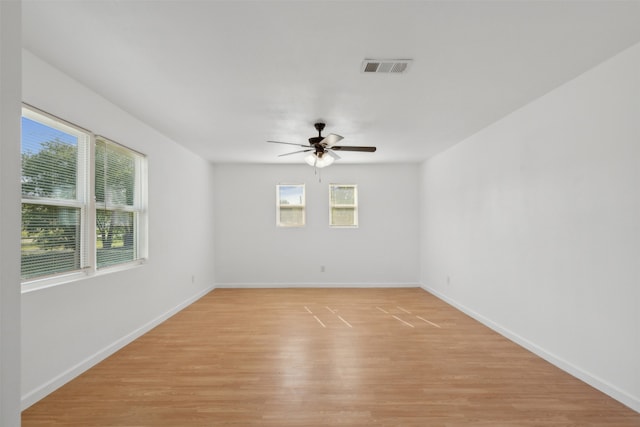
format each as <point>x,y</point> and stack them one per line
<point>396,66</point>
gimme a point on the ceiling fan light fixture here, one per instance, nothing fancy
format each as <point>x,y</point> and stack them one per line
<point>321,148</point>
<point>318,161</point>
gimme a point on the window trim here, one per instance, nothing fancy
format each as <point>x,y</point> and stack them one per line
<point>353,206</point>
<point>56,279</point>
<point>86,202</point>
<point>303,206</point>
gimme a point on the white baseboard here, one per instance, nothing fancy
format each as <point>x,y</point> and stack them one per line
<point>40,392</point>
<point>315,285</point>
<point>598,383</point>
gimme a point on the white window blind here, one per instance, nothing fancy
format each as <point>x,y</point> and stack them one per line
<point>54,196</point>
<point>119,203</point>
<point>290,205</point>
<point>343,205</point>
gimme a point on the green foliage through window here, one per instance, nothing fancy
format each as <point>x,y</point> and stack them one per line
<point>115,200</point>
<point>50,239</point>
<point>57,203</point>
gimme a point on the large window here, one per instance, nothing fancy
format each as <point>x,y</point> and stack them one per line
<point>343,205</point>
<point>290,205</point>
<point>119,203</point>
<point>83,205</point>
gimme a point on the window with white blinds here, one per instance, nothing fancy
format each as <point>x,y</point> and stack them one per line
<point>76,186</point>
<point>343,205</point>
<point>119,206</point>
<point>290,205</point>
<point>54,196</point>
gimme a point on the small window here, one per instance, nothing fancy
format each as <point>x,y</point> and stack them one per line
<point>290,205</point>
<point>343,205</point>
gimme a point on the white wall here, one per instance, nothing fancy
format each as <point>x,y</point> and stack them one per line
<point>10,50</point>
<point>252,251</point>
<point>536,223</point>
<point>67,328</point>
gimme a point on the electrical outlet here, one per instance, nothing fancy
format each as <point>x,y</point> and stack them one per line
<point>193,278</point>
<point>448,280</point>
<point>322,269</point>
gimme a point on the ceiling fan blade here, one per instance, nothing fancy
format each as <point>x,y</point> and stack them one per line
<point>332,154</point>
<point>289,143</point>
<point>331,139</point>
<point>295,152</point>
<point>352,148</point>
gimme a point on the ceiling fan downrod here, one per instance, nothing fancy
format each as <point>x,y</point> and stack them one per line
<point>317,139</point>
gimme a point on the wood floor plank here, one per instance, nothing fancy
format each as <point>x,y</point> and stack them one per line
<point>318,357</point>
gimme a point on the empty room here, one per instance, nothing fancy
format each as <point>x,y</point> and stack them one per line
<point>312,213</point>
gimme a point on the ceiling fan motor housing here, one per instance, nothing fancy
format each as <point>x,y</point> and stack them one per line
<point>316,140</point>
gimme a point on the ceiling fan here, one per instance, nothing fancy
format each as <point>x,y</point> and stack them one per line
<point>322,149</point>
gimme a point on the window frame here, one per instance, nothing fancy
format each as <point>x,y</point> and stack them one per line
<point>279,206</point>
<point>85,201</point>
<point>353,206</point>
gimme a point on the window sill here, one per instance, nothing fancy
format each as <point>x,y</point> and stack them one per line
<point>61,279</point>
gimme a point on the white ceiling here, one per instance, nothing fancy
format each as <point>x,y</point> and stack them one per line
<point>221,78</point>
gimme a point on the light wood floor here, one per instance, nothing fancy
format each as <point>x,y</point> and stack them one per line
<point>320,357</point>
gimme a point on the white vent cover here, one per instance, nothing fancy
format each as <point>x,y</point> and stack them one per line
<point>396,66</point>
